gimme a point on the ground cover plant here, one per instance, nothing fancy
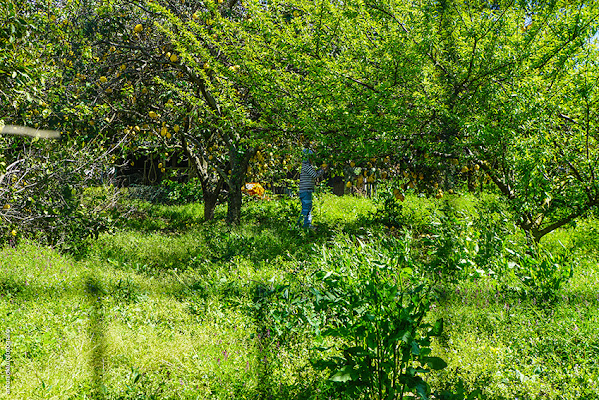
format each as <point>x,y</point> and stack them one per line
<point>167,306</point>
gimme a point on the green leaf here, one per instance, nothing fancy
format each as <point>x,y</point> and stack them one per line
<point>435,363</point>
<point>415,348</point>
<point>344,374</point>
<point>438,328</point>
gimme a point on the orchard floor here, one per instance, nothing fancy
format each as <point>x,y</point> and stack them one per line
<point>166,308</point>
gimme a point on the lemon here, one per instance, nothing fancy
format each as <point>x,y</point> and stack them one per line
<point>103,79</point>
<point>138,28</point>
<point>174,58</point>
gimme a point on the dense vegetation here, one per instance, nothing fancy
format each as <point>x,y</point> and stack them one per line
<point>168,306</point>
<point>470,274</point>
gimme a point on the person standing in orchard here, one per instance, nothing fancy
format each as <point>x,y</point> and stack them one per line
<point>308,176</point>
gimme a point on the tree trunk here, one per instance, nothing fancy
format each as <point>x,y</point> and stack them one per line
<point>211,186</point>
<point>239,164</point>
<point>234,203</point>
<point>210,196</point>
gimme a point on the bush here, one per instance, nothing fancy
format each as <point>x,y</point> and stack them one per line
<point>389,210</point>
<point>543,273</point>
<point>182,192</point>
<point>452,244</point>
<point>366,302</point>
<point>42,196</point>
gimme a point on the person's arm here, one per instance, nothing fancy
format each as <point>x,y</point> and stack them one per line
<point>312,172</point>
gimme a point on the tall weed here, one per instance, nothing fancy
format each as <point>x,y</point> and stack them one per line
<point>366,308</point>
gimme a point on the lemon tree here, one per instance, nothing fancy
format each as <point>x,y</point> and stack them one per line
<point>41,181</point>
<point>234,130</point>
<point>152,96</point>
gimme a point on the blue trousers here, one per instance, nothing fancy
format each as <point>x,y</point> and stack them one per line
<point>306,200</point>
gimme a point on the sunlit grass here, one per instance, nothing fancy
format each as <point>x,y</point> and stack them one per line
<point>169,309</point>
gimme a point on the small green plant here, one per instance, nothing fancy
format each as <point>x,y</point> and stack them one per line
<point>287,211</point>
<point>543,273</point>
<point>126,290</point>
<point>492,222</point>
<point>452,244</point>
<point>389,210</point>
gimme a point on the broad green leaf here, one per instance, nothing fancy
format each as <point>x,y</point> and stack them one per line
<point>435,363</point>
<point>344,374</point>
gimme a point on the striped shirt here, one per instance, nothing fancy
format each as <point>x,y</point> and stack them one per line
<point>308,177</point>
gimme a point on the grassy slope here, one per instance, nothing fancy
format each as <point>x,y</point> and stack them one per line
<point>166,310</point>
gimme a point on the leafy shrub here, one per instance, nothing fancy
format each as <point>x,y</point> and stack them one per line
<point>543,273</point>
<point>492,222</point>
<point>42,196</point>
<point>366,301</point>
<point>182,192</point>
<point>282,213</point>
<point>453,244</point>
<point>389,211</point>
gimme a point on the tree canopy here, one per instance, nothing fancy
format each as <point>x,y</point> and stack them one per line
<point>423,92</point>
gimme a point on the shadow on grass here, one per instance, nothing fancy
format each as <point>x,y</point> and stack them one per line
<point>17,292</point>
<point>96,331</point>
<point>258,242</point>
<point>267,236</point>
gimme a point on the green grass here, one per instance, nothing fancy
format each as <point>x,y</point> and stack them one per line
<point>167,307</point>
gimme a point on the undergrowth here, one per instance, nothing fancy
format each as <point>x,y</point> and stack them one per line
<point>167,306</point>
